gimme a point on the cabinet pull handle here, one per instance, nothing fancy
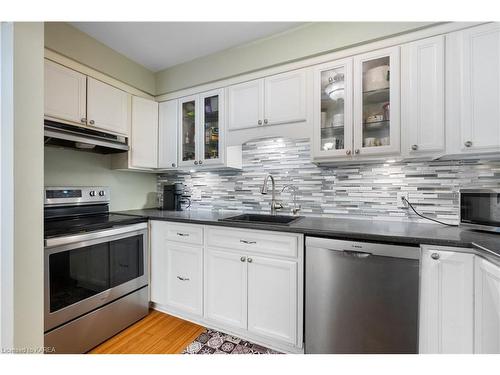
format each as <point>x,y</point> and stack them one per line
<point>265,121</point>
<point>248,242</point>
<point>183,234</point>
<point>243,259</point>
<point>468,144</point>
<point>83,119</point>
<point>348,152</point>
<point>183,278</point>
<point>259,122</point>
<point>91,122</point>
<point>414,147</point>
<point>249,260</point>
<point>435,256</point>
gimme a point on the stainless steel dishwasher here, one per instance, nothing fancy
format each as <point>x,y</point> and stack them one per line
<point>361,297</point>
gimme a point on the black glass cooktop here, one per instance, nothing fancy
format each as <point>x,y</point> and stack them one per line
<point>57,227</point>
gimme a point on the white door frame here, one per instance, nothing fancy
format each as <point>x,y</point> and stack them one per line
<point>6,186</point>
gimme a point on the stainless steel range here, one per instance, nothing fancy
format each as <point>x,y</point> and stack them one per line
<point>96,269</point>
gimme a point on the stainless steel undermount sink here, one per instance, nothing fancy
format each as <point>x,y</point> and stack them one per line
<point>263,219</point>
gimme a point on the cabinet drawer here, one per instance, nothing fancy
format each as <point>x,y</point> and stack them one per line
<point>184,277</point>
<point>178,232</point>
<point>264,242</point>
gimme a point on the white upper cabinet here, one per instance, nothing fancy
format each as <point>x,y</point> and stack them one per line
<point>65,94</point>
<point>332,132</point>
<point>107,107</point>
<point>285,98</point>
<point>487,310</point>
<point>167,134</point>
<point>144,133</point>
<point>377,102</point>
<point>246,105</point>
<point>446,302</point>
<point>422,97</point>
<point>278,99</point>
<point>272,298</point>
<point>473,89</point>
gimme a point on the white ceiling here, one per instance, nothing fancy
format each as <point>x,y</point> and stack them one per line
<point>159,45</point>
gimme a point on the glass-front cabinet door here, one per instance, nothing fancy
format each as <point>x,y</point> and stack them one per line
<point>333,110</point>
<point>211,126</point>
<point>188,112</point>
<point>376,102</point>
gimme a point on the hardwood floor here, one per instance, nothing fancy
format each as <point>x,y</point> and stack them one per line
<point>157,333</point>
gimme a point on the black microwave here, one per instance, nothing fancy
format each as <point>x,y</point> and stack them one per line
<point>480,209</point>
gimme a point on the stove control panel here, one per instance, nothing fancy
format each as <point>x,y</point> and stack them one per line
<point>74,195</point>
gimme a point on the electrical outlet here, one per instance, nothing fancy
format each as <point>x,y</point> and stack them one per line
<point>401,202</point>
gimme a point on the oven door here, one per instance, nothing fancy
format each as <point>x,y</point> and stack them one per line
<point>84,272</point>
<point>480,209</point>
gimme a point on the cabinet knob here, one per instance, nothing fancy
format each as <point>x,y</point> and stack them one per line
<point>249,260</point>
<point>356,151</point>
<point>435,256</point>
<point>414,147</point>
<point>83,120</point>
<point>195,162</point>
<point>259,122</point>
<point>173,164</point>
<point>200,162</point>
<point>183,278</point>
<point>91,122</point>
<point>243,259</point>
<point>265,121</point>
<point>348,152</point>
<point>468,144</point>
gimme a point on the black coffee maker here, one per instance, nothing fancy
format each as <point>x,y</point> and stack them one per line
<point>172,197</point>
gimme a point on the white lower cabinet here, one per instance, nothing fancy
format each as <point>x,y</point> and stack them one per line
<point>446,301</point>
<point>272,298</point>
<point>250,291</point>
<point>226,288</point>
<point>487,307</point>
<point>176,272</point>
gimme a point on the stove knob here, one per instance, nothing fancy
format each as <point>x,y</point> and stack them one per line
<point>92,193</point>
<point>102,193</point>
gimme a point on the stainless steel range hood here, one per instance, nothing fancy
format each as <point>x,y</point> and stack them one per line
<point>69,136</point>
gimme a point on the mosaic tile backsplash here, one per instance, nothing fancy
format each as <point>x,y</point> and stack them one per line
<point>361,191</point>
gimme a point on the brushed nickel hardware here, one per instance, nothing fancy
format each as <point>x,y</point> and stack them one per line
<point>435,256</point>
<point>243,259</point>
<point>183,234</point>
<point>183,278</point>
<point>195,162</point>
<point>249,260</point>
<point>468,144</point>
<point>91,122</point>
<point>357,151</point>
<point>259,122</point>
<point>348,152</point>
<point>265,121</point>
<point>83,119</point>
<point>414,147</point>
<point>200,162</point>
<point>173,164</point>
<point>263,190</point>
<point>248,242</point>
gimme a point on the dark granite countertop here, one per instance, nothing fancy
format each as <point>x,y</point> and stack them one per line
<point>487,244</point>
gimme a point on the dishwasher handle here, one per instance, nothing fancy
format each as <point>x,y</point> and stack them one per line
<point>357,254</point>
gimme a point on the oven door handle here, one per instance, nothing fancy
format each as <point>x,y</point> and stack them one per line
<point>65,240</point>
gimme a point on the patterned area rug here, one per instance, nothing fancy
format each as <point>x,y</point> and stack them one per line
<point>215,342</point>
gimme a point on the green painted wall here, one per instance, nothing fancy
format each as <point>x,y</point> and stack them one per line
<point>305,41</point>
<point>129,190</point>
<point>71,42</point>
